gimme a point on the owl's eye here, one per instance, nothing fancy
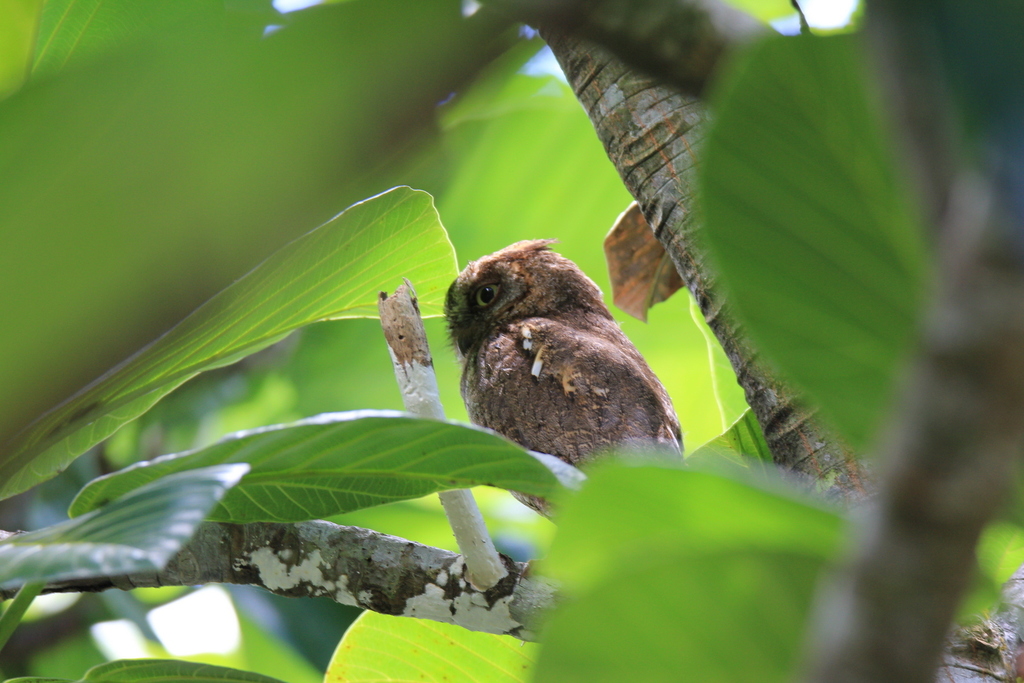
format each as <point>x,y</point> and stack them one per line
<point>486,294</point>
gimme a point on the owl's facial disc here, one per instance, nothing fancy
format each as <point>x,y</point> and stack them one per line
<point>475,302</point>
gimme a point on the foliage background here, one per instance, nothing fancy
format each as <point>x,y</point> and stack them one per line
<point>507,156</point>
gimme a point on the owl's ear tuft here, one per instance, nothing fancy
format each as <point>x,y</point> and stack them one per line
<point>527,247</point>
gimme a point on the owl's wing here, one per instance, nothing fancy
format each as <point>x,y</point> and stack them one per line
<point>556,388</point>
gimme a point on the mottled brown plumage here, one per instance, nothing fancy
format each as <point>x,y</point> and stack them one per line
<point>546,365</point>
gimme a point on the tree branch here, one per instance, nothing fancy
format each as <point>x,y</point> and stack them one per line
<point>349,565</point>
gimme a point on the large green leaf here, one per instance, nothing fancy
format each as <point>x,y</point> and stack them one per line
<point>159,671</point>
<point>384,648</point>
<point>144,179</point>
<point>717,618</point>
<point>625,512</point>
<point>335,271</point>
<point>666,570</point>
<point>18,22</point>
<point>812,231</point>
<point>138,532</point>
<point>72,29</point>
<point>338,462</point>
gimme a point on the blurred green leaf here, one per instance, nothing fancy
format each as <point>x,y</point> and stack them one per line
<point>262,652</point>
<point>139,532</point>
<point>626,513</point>
<point>81,28</point>
<point>159,671</point>
<point>743,438</point>
<point>67,659</point>
<point>813,233</point>
<point>1000,554</point>
<point>720,617</point>
<point>19,20</point>
<point>667,570</point>
<point>150,176</point>
<point>765,10</point>
<point>1001,551</point>
<point>383,648</point>
<point>335,271</point>
<point>338,462</point>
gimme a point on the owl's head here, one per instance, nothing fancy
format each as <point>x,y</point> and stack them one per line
<point>523,280</point>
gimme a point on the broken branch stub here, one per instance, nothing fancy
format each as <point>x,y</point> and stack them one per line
<point>414,371</point>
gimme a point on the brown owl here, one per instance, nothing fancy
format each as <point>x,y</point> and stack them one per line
<point>546,365</point>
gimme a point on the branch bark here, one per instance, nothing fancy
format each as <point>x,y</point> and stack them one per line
<point>349,565</point>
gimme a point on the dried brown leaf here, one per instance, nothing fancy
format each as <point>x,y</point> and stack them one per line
<point>642,274</point>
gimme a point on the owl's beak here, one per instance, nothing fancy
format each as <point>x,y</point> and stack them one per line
<point>462,344</point>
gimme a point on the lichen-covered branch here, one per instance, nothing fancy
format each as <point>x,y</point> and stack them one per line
<point>654,135</point>
<point>349,565</point>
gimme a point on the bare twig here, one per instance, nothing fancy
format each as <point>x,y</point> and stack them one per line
<point>350,565</point>
<point>414,370</point>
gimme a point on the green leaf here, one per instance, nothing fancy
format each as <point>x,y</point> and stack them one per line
<point>729,397</point>
<point>812,231</point>
<point>720,617</point>
<point>765,10</point>
<point>160,671</point>
<point>743,438</point>
<point>383,648</point>
<point>335,271</point>
<point>228,145</point>
<point>1001,551</point>
<point>80,28</point>
<point>17,34</point>
<point>138,532</point>
<point>605,526</point>
<point>339,462</point>
<point>666,570</point>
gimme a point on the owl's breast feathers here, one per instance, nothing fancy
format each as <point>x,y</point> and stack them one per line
<point>567,389</point>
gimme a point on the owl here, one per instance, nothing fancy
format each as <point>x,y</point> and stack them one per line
<point>546,365</point>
